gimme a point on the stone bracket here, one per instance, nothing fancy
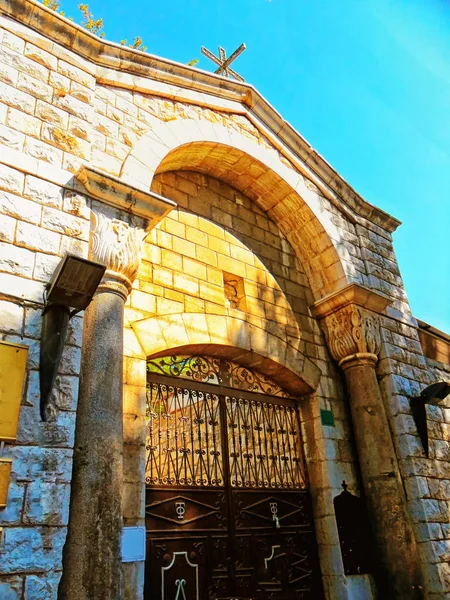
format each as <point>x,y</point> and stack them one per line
<point>115,192</point>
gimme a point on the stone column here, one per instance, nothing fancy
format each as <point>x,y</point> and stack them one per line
<point>92,565</point>
<point>353,335</point>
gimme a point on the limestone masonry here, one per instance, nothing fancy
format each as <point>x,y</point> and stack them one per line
<point>260,253</point>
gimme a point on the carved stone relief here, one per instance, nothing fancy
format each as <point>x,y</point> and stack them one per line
<point>117,245</point>
<point>352,330</point>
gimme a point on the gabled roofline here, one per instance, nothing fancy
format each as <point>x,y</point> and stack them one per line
<point>120,58</point>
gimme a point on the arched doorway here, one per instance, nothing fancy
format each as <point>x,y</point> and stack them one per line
<point>227,504</point>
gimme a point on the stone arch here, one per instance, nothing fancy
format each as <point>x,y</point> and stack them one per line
<point>257,170</point>
<point>233,338</point>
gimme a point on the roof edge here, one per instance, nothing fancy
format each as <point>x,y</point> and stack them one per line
<point>111,55</point>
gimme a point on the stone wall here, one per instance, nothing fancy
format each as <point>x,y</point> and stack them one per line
<point>276,224</point>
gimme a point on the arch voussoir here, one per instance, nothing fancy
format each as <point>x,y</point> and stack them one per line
<point>230,337</point>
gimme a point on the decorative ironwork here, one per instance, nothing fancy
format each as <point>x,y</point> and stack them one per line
<point>189,579</point>
<point>207,369</point>
<point>264,442</point>
<point>183,443</point>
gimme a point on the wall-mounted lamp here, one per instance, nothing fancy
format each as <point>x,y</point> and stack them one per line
<point>433,394</point>
<point>72,286</point>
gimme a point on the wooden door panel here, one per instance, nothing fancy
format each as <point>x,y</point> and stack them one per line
<point>260,508</point>
<point>185,510</point>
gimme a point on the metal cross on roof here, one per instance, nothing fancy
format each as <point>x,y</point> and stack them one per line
<point>224,62</point>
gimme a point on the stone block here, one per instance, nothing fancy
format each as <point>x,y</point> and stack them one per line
<point>19,287</point>
<point>31,463</point>
<point>65,141</point>
<point>76,74</point>
<point>12,514</point>
<point>11,138</point>
<point>23,64</point>
<point>11,180</point>
<point>69,225</point>
<point>50,114</point>
<point>47,503</point>
<point>7,229</point>
<point>133,502</point>
<point>70,361</point>
<point>11,317</point>
<point>18,207</point>
<point>186,284</point>
<point>15,260</point>
<point>32,550</point>
<point>45,265</point>
<point>27,124</point>
<point>65,392</point>
<point>59,83</point>
<point>17,99</point>
<point>42,588</point>
<point>106,162</point>
<point>40,56</point>
<point>134,372</point>
<point>77,204</point>
<point>75,247</point>
<point>14,42</point>
<point>36,238</point>
<point>11,588</point>
<point>3,112</point>
<point>34,87</point>
<point>44,152</point>
<point>8,74</point>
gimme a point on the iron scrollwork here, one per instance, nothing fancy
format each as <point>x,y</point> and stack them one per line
<point>218,371</point>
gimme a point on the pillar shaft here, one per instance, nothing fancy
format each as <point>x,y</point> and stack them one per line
<point>352,327</point>
<point>92,566</point>
<point>396,550</point>
<point>92,562</point>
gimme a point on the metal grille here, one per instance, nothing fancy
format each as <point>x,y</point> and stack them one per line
<point>191,431</point>
<point>218,371</point>
<point>184,442</point>
<point>264,445</point>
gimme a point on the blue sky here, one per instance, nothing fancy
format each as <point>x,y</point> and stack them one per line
<point>366,82</point>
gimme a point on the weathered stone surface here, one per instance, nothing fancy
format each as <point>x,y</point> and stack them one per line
<point>11,588</point>
<point>37,238</point>
<point>11,317</point>
<point>31,550</point>
<point>31,463</point>
<point>11,180</point>
<point>43,192</point>
<point>42,588</point>
<point>18,261</point>
<point>7,229</point>
<point>12,514</point>
<point>47,503</point>
<point>18,207</point>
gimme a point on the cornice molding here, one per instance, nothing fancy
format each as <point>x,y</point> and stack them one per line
<point>115,192</point>
<point>352,294</point>
<point>99,54</point>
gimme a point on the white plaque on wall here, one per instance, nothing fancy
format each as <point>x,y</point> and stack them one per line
<point>133,544</point>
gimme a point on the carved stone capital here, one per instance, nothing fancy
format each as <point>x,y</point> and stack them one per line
<point>352,330</point>
<point>351,323</point>
<point>117,245</point>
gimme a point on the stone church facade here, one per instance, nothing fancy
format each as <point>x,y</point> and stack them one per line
<point>228,242</point>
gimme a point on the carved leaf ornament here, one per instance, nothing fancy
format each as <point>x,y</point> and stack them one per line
<point>117,245</point>
<point>351,330</point>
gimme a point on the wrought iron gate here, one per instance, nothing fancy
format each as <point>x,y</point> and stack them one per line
<point>227,509</point>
